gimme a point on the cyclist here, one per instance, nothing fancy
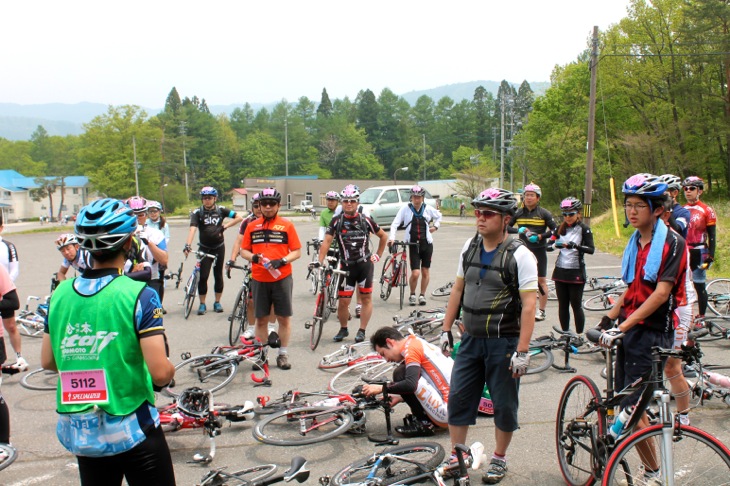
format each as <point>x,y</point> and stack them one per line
<point>701,234</point>
<point>462,209</point>
<point>153,243</point>
<point>678,216</point>
<point>9,261</point>
<point>271,244</point>
<point>325,217</point>
<point>654,267</point>
<point>155,219</point>
<point>208,218</point>
<point>535,225</point>
<point>575,239</point>
<point>73,256</point>
<point>418,220</point>
<point>352,230</point>
<point>422,380</point>
<point>105,330</point>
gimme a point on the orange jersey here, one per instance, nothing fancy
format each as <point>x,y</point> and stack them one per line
<point>273,239</point>
<point>435,367</point>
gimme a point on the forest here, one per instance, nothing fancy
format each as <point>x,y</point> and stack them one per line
<point>663,105</point>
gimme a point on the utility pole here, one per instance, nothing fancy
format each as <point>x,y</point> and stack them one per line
<point>185,161</point>
<point>494,145</point>
<point>286,145</point>
<point>424,156</point>
<point>591,130</point>
<point>501,147</point>
<point>136,177</point>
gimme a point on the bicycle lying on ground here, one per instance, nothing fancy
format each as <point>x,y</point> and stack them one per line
<point>347,355</point>
<point>606,299</point>
<point>334,417</point>
<point>326,302</point>
<point>443,291</point>
<point>395,271</point>
<point>715,330</point>
<point>568,342</point>
<point>40,380</point>
<point>706,382</point>
<point>239,314</point>
<point>423,323</point>
<point>191,287</point>
<point>215,370</point>
<point>360,373</point>
<point>718,296</point>
<point>421,462</point>
<point>32,322</point>
<point>194,409</point>
<point>262,475</point>
<point>587,451</point>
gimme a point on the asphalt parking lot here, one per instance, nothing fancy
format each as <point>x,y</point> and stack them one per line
<point>532,456</point>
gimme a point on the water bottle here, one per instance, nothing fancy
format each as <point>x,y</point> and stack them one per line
<point>717,379</point>
<point>273,271</point>
<point>618,426</point>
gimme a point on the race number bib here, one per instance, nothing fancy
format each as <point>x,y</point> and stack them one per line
<point>84,387</point>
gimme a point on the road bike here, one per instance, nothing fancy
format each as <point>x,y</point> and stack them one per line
<point>176,276</point>
<point>262,475</point>
<point>239,314</point>
<point>326,302</point>
<point>395,271</point>
<point>294,399</point>
<point>360,373</point>
<point>606,299</point>
<point>215,370</point>
<point>31,322</point>
<point>312,276</point>
<point>426,324</point>
<point>347,355</point>
<point>718,296</point>
<point>334,417</point>
<point>443,291</point>
<point>602,284</point>
<point>191,287</point>
<point>421,462</point>
<point>705,381</point>
<point>715,330</point>
<point>8,453</point>
<point>588,452</point>
<point>195,409</point>
<point>567,341</point>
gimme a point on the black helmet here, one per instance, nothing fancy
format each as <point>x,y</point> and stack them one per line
<point>496,199</point>
<point>570,204</point>
<point>694,181</point>
<point>194,402</point>
<point>270,194</point>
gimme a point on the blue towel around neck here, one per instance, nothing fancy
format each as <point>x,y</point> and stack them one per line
<point>653,260</point>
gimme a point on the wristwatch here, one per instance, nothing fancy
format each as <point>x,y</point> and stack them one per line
<point>284,261</point>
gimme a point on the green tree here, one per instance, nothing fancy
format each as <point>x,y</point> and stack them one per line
<point>325,105</point>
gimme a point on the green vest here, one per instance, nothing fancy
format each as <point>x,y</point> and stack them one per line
<point>91,334</point>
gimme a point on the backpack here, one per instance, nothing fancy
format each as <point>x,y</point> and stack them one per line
<point>506,252</point>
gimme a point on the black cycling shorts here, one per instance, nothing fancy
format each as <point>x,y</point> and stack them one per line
<point>421,255</point>
<point>541,256</point>
<point>361,275</point>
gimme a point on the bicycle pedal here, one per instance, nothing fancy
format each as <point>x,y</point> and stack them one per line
<point>307,325</point>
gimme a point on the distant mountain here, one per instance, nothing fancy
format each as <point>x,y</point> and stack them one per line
<point>18,122</point>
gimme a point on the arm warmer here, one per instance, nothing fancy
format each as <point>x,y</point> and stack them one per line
<point>711,232</point>
<point>409,384</point>
<point>10,301</point>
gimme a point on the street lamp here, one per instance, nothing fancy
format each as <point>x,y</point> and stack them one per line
<point>395,175</point>
<point>162,195</point>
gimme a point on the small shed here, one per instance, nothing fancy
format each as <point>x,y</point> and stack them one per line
<point>239,198</point>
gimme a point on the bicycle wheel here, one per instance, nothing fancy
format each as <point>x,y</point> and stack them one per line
<point>314,279</point>
<point>601,302</point>
<point>552,295</point>
<point>244,477</point>
<point>317,323</point>
<point>238,317</point>
<point>429,329</point>
<point>698,457</point>
<point>191,289</point>
<point>402,282</point>
<point>386,277</point>
<point>30,324</point>
<point>576,421</point>
<point>346,380</point>
<point>718,296</point>
<point>8,455</point>
<point>304,425</point>
<point>40,380</point>
<point>716,332</point>
<point>208,371</point>
<point>418,458</point>
<point>444,291</point>
<point>332,293</point>
<point>344,355</point>
<point>541,358</point>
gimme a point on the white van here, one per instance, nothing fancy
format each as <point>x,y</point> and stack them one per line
<point>382,203</point>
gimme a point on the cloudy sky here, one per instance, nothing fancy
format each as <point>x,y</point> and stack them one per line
<point>133,52</point>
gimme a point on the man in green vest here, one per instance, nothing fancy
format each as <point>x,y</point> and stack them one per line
<point>105,338</point>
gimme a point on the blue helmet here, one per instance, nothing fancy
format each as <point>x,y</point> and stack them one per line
<point>208,191</point>
<point>645,185</point>
<point>105,225</point>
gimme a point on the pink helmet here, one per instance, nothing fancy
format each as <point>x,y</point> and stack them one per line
<point>532,187</point>
<point>137,204</point>
<point>418,191</point>
<point>350,192</point>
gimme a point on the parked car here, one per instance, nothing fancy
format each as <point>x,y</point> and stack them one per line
<point>304,207</point>
<point>382,203</point>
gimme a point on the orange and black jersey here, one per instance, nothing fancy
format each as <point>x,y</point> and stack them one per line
<point>273,238</point>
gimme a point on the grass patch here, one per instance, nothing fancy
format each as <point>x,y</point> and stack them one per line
<point>606,240</point>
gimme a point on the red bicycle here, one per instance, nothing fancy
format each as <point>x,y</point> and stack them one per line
<point>194,409</point>
<point>395,271</point>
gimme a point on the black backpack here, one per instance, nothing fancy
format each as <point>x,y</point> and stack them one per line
<point>506,252</point>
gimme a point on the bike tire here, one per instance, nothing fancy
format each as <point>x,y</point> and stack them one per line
<point>716,332</point>
<point>601,302</point>
<point>718,296</point>
<point>386,276</point>
<point>314,279</point>
<point>316,333</point>
<point>344,355</point>
<point>402,282</point>
<point>429,329</point>
<point>244,477</point>
<point>284,428</point>
<point>541,358</point>
<point>696,454</point>
<point>191,288</point>
<point>325,311</point>
<point>40,380</point>
<point>239,316</point>
<point>10,454</point>
<point>573,428</point>
<point>332,294</point>
<point>208,371</point>
<point>444,291</point>
<point>353,376</point>
<point>422,457</point>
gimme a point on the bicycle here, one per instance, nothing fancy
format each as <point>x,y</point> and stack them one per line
<point>360,373</point>
<point>176,276</point>
<point>194,409</point>
<point>8,453</point>
<point>218,368</point>
<point>313,424</point>
<point>348,355</point>
<point>40,379</point>
<point>606,299</point>
<point>443,291</point>
<point>718,296</point>
<point>709,382</point>
<point>423,323</point>
<point>421,462</point>
<point>239,314</point>
<point>715,330</point>
<point>312,276</point>
<point>262,475</point>
<point>568,342</point>
<point>394,273</point>
<point>326,302</point>
<point>191,287</point>
<point>294,399</point>
<point>587,451</point>
<point>31,323</point>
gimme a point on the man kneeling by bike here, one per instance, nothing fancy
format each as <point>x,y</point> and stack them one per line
<point>422,380</point>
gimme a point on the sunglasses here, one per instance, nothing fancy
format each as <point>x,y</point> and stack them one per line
<point>690,188</point>
<point>486,213</point>
<point>572,213</point>
<point>268,204</point>
<point>256,206</point>
<point>208,197</point>
<point>350,201</point>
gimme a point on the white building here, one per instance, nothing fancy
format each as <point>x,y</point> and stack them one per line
<point>17,204</point>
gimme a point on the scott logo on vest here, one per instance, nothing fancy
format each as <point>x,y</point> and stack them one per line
<point>84,342</point>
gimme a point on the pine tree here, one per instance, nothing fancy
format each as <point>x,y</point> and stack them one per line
<point>325,105</point>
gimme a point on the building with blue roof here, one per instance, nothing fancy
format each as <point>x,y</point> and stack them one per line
<point>17,204</point>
